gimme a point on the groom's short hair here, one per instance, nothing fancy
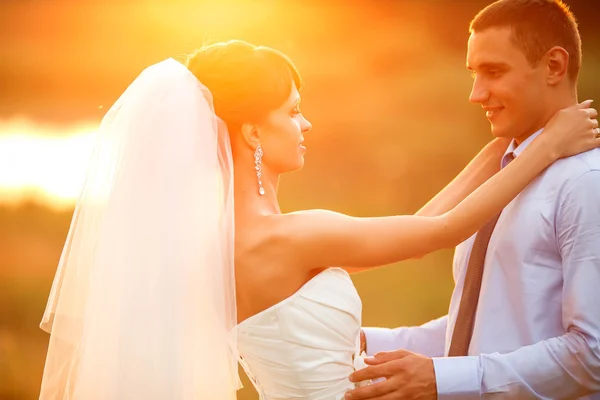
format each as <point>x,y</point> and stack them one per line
<point>538,25</point>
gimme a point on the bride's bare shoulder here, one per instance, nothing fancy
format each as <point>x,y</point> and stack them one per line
<point>286,237</point>
<point>299,230</point>
<point>296,222</point>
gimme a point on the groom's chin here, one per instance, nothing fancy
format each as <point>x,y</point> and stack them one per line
<point>499,132</point>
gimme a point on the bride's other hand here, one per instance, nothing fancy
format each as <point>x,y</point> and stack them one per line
<point>572,130</point>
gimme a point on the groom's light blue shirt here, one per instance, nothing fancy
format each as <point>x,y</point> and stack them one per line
<point>537,329</point>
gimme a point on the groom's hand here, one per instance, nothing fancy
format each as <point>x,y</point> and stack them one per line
<point>408,376</point>
<point>363,342</point>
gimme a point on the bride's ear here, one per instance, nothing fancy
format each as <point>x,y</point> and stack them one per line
<point>250,134</point>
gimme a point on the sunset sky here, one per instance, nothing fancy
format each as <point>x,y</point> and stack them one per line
<point>63,63</point>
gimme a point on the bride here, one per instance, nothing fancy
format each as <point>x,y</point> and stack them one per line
<point>146,303</point>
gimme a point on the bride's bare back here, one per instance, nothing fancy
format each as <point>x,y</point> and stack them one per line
<point>263,277</point>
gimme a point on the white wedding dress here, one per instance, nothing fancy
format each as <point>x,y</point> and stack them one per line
<point>303,347</point>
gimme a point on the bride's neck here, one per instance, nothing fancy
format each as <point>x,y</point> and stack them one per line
<point>246,189</point>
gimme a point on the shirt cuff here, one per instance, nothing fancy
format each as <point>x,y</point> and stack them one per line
<point>457,378</point>
<point>379,339</point>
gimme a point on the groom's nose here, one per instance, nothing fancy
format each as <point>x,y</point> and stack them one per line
<point>479,92</point>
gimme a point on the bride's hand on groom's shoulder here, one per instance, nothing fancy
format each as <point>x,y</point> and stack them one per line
<point>573,130</point>
<point>408,376</point>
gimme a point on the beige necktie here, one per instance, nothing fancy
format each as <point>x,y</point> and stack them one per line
<point>465,320</point>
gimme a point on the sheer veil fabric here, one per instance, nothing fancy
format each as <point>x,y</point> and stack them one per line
<point>143,302</point>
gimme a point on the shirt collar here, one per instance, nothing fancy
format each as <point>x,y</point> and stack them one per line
<point>513,150</point>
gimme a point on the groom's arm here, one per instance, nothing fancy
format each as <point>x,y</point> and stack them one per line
<point>427,339</point>
<point>567,366</point>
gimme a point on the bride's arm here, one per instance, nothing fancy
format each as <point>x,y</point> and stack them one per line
<point>328,238</point>
<point>485,164</point>
<point>313,239</point>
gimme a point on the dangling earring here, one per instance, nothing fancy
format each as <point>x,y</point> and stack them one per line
<point>258,167</point>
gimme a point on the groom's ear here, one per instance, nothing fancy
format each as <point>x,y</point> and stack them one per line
<point>557,65</point>
<point>250,134</point>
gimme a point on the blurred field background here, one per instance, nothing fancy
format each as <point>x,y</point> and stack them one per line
<point>386,91</point>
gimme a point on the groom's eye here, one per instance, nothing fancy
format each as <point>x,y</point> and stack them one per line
<point>494,73</point>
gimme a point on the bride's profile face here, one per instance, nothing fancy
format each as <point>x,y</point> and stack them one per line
<point>282,135</point>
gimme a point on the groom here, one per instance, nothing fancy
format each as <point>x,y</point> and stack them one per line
<point>529,325</point>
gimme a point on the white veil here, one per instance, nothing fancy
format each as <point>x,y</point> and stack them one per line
<point>143,302</point>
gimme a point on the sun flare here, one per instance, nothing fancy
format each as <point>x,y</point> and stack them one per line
<point>43,163</point>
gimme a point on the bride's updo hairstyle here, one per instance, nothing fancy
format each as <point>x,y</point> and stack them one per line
<point>246,81</point>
